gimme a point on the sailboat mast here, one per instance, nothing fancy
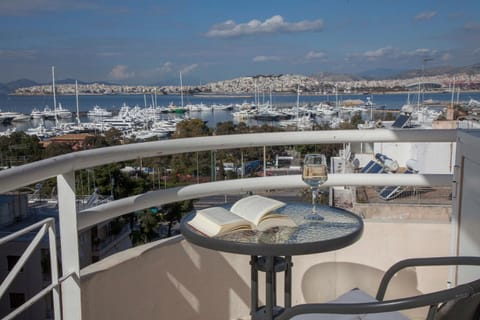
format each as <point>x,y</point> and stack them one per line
<point>54,96</point>
<point>155,93</point>
<point>298,103</point>
<point>76,101</point>
<point>453,90</point>
<point>271,101</point>
<point>181,88</point>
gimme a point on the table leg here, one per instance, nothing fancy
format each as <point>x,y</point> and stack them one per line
<point>269,287</point>
<point>288,281</point>
<point>254,285</point>
<point>270,265</point>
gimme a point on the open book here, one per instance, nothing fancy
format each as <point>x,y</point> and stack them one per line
<point>250,213</point>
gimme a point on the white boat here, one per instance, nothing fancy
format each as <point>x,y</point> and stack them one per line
<point>6,117</point>
<point>20,117</point>
<point>36,113</point>
<point>473,103</point>
<point>98,112</point>
<point>325,110</point>
<point>304,122</point>
<point>41,132</point>
<point>8,132</point>
<point>219,107</point>
<point>62,113</point>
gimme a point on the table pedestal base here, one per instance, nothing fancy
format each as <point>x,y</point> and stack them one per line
<point>270,265</point>
<point>262,314</point>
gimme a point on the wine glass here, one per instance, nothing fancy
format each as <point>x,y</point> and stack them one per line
<point>314,173</point>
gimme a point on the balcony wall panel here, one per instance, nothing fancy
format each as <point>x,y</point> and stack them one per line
<point>172,279</point>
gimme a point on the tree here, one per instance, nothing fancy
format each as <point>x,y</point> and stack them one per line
<point>174,212</point>
<point>355,120</point>
<point>19,148</point>
<point>191,128</point>
<point>57,149</point>
<point>113,137</point>
<point>148,224</point>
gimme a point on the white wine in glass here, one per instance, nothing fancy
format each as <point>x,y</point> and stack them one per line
<point>314,173</point>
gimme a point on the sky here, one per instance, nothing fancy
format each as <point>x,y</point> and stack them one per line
<point>146,42</point>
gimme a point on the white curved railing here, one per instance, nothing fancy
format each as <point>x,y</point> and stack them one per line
<point>30,173</point>
<point>64,167</point>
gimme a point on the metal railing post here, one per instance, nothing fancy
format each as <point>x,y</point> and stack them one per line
<point>57,311</point>
<point>71,291</point>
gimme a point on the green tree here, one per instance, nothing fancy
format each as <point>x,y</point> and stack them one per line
<point>19,148</point>
<point>113,137</point>
<point>355,120</point>
<point>57,149</point>
<point>191,128</point>
<point>174,212</point>
<point>148,224</point>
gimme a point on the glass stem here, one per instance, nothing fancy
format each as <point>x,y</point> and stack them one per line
<point>314,202</point>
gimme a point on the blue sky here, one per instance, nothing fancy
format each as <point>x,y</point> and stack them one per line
<point>151,41</point>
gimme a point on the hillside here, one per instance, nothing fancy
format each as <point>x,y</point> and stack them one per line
<point>277,83</point>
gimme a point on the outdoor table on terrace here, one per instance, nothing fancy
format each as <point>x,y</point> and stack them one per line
<point>271,251</point>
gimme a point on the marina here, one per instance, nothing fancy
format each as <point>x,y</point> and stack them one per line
<point>132,115</point>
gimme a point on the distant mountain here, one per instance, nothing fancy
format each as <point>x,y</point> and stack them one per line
<point>68,81</point>
<point>10,87</point>
<point>21,83</point>
<point>327,76</point>
<point>474,68</point>
<point>379,73</point>
<point>6,88</point>
<point>435,71</point>
<point>72,81</point>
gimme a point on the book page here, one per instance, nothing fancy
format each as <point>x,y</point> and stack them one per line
<point>253,208</point>
<point>217,220</point>
<point>275,220</point>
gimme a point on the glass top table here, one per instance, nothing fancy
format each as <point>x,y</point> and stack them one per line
<point>271,250</point>
<point>338,229</point>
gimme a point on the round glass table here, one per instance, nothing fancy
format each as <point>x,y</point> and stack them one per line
<point>271,250</point>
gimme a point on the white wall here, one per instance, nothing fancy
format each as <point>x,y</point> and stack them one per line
<point>432,158</point>
<point>466,201</point>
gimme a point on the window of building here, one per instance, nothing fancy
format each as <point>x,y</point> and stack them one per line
<point>16,299</point>
<point>11,261</point>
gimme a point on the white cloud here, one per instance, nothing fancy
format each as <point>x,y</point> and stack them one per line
<point>275,24</point>
<point>188,69</point>
<point>379,53</point>
<point>315,55</point>
<point>425,15</point>
<point>166,67</point>
<point>390,52</point>
<point>265,58</point>
<point>446,57</point>
<point>421,52</point>
<point>120,72</point>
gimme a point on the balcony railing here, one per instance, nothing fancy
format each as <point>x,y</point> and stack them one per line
<point>64,167</point>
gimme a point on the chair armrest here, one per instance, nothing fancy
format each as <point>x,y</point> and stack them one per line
<point>420,262</point>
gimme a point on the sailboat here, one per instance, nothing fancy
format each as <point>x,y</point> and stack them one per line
<point>303,122</point>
